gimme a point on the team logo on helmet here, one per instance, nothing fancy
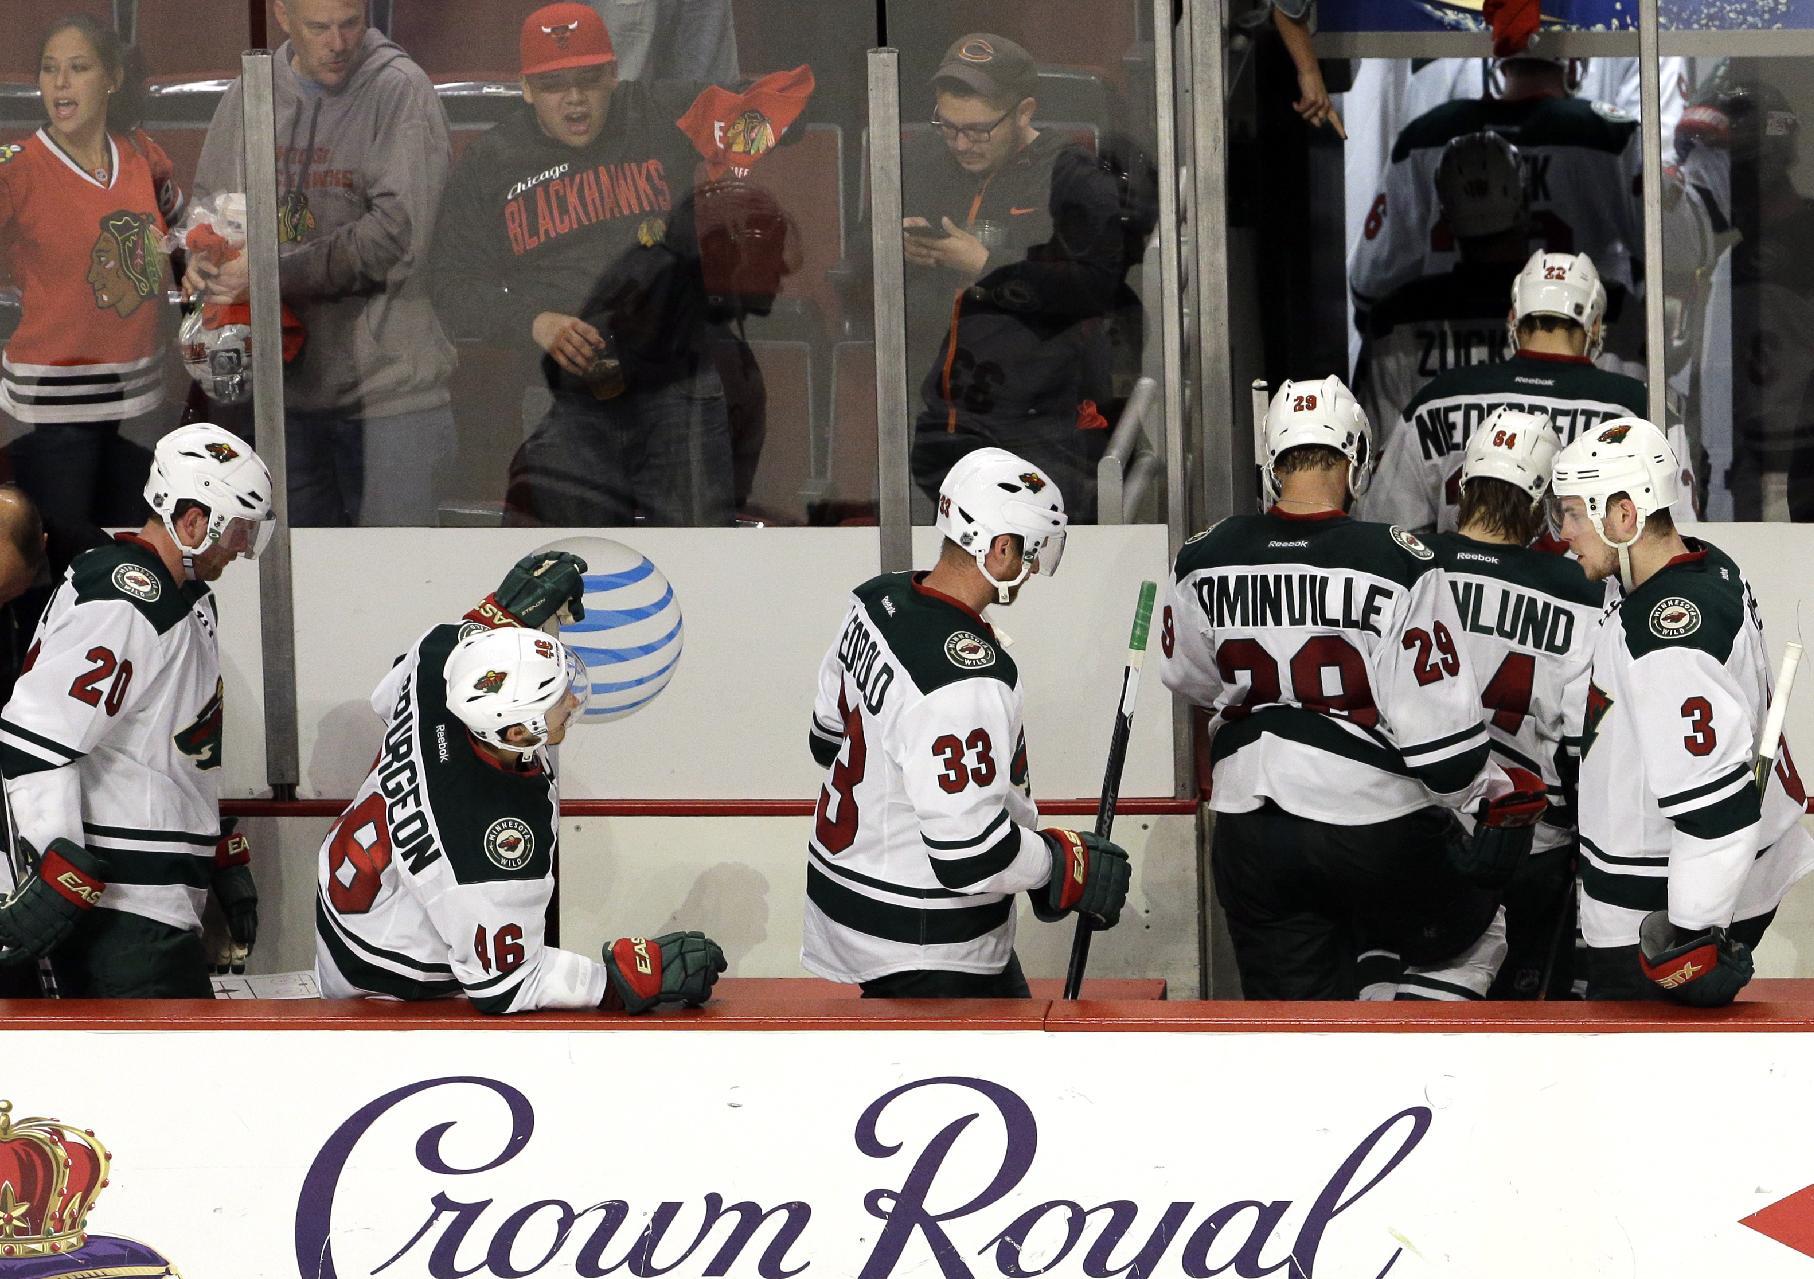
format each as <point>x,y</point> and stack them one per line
<point>969,652</point>
<point>1674,617</point>
<point>749,134</point>
<point>1614,435</point>
<point>509,843</point>
<point>1033,480</point>
<point>222,452</point>
<point>489,682</point>
<point>132,580</point>
<point>977,51</point>
<point>561,34</point>
<point>1412,543</point>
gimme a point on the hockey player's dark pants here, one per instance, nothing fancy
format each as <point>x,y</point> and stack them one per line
<point>1303,898</point>
<point>932,983</point>
<point>1613,972</point>
<point>114,955</point>
<point>1539,928</point>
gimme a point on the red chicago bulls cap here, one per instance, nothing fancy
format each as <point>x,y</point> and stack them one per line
<point>990,65</point>
<point>559,36</point>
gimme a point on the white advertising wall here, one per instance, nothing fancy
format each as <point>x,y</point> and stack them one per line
<point>964,1155</point>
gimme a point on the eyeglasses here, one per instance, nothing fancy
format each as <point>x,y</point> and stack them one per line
<point>971,132</point>
<point>574,78</point>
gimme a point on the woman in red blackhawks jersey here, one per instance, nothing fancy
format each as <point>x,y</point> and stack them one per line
<point>84,204</point>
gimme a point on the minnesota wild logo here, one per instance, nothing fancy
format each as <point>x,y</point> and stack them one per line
<point>1033,480</point>
<point>1614,434</point>
<point>489,682</point>
<point>201,740</point>
<point>222,452</point>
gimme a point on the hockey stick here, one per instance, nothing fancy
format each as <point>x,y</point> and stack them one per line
<point>1769,741</point>
<point>1111,775</point>
<point>1261,401</point>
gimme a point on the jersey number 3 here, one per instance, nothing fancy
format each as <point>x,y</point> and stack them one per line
<point>835,834</point>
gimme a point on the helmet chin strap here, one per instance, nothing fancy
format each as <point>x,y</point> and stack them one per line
<point>187,552</point>
<point>1623,548</point>
<point>1004,591</point>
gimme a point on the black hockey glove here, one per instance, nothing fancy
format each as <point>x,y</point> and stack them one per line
<point>675,968</point>
<point>237,894</point>
<point>44,908</point>
<point>1503,831</point>
<point>543,585</point>
<point>1089,876</point>
<point>1706,969</point>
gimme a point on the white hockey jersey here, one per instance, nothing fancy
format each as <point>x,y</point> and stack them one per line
<point>1583,162</point>
<point>1429,326</point>
<point>1670,816</point>
<point>1418,482</point>
<point>437,879</point>
<point>1528,619</point>
<point>1328,652</point>
<point>925,827</point>
<point>112,737</point>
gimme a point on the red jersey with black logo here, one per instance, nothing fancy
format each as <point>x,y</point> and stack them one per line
<point>87,258</point>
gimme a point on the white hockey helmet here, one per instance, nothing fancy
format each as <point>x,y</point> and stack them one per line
<point>213,467</point>
<point>1561,284</point>
<point>1626,455</point>
<point>990,492</point>
<point>1513,446</point>
<point>512,675</point>
<point>1324,413</point>
<point>1480,185</point>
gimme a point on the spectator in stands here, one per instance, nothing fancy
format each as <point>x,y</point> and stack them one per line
<point>1015,249</point>
<point>574,226</point>
<point>362,156</point>
<point>1292,19</point>
<point>671,39</point>
<point>84,204</point>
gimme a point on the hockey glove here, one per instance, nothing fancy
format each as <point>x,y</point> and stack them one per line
<point>1503,831</point>
<point>1089,876</point>
<point>42,910</point>
<point>675,968</point>
<point>543,586</point>
<point>1706,969</point>
<point>237,894</point>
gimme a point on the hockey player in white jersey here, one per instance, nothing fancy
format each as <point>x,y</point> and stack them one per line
<point>1456,317</point>
<point>112,737</point>
<point>1684,858</point>
<point>437,879</point>
<point>1554,328</point>
<point>1345,729</point>
<point>925,827</point>
<point>1528,620</point>
<point>1583,163</point>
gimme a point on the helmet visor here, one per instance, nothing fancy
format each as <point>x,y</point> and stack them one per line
<point>1049,552</point>
<point>579,682</point>
<point>244,537</point>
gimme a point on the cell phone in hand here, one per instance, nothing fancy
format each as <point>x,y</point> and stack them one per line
<point>924,232</point>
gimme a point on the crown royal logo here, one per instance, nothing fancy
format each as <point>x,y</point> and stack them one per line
<point>50,1176</point>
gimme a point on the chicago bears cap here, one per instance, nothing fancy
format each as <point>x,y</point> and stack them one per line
<point>990,65</point>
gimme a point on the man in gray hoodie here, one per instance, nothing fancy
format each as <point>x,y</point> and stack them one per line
<point>362,156</point>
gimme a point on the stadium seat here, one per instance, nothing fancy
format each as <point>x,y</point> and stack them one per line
<point>851,438</point>
<point>461,39</point>
<point>177,46</point>
<point>807,179</point>
<point>786,482</point>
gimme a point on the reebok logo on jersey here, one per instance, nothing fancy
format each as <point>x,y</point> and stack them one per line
<point>137,582</point>
<point>509,843</point>
<point>969,652</point>
<point>1470,555</point>
<point>1277,545</point>
<point>1674,617</point>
